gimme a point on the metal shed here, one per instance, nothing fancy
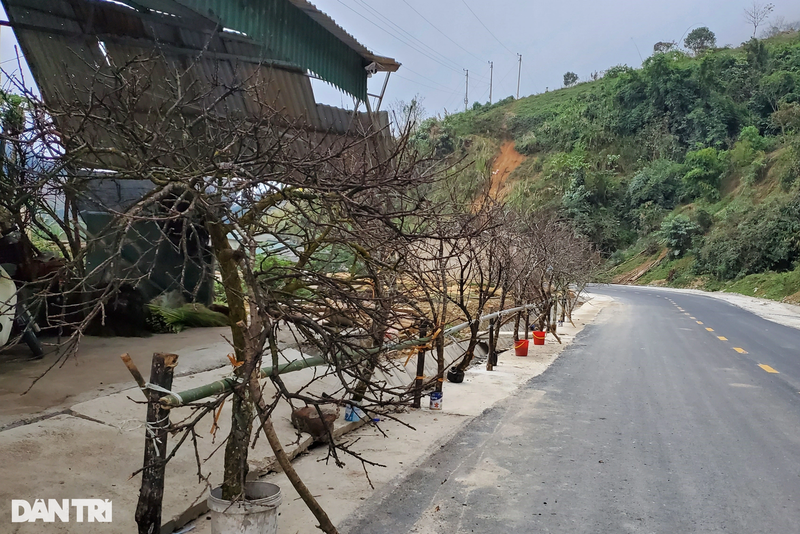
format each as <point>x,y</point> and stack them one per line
<point>68,42</point>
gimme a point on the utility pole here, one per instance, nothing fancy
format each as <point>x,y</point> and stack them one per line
<point>519,74</point>
<point>491,71</point>
<point>466,91</point>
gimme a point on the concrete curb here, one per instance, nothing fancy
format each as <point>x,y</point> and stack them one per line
<point>401,375</point>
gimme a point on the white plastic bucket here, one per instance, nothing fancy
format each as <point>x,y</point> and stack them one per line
<point>8,305</point>
<point>436,400</point>
<point>258,514</point>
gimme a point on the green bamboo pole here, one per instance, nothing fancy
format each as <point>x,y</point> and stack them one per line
<point>226,384</point>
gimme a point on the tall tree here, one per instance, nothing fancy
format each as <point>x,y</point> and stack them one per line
<point>758,13</point>
<point>700,40</point>
<point>570,79</point>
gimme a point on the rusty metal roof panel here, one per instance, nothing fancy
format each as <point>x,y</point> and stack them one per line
<point>65,56</point>
<point>285,30</point>
<point>344,121</point>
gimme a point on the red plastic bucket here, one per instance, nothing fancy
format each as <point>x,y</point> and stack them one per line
<point>521,347</point>
<point>538,338</point>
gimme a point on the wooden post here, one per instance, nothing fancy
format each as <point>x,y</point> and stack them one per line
<point>423,332</point>
<point>151,493</point>
<point>491,359</point>
<point>527,324</point>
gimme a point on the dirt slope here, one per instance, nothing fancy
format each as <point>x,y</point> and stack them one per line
<point>505,163</point>
<point>632,276</point>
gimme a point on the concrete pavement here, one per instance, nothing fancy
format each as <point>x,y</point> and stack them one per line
<point>89,449</point>
<point>649,422</point>
<point>401,446</point>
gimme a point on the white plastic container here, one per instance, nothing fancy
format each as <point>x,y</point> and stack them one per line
<point>258,514</point>
<point>436,400</point>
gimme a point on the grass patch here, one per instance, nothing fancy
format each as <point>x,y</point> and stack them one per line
<point>675,273</point>
<point>769,285</point>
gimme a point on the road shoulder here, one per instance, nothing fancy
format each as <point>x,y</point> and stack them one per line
<point>777,312</point>
<point>403,445</point>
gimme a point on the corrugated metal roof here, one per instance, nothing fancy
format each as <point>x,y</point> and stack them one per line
<point>64,54</point>
<point>383,64</point>
<point>340,120</point>
<point>61,45</point>
<point>277,30</point>
<point>60,37</point>
<point>294,37</point>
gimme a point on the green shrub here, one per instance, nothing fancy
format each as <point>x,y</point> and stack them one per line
<point>219,293</point>
<point>648,217</point>
<point>651,245</point>
<point>677,233</point>
<point>766,238</point>
<point>659,183</point>
<point>707,166</point>
<point>616,258</point>
<point>751,136</point>
<point>703,219</point>
<point>756,171</point>
<point>528,144</point>
<point>790,163</point>
<point>787,178</point>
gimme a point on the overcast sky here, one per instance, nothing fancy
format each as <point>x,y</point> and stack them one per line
<point>553,36</point>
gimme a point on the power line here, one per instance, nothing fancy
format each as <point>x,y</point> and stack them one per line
<point>440,31</point>
<point>485,27</point>
<point>405,68</point>
<point>483,95</point>
<point>512,69</point>
<point>422,43</point>
<point>394,30</point>
<point>409,34</point>
<point>450,100</point>
<point>504,78</point>
<point>424,85</point>
<point>441,60</point>
<point>392,34</point>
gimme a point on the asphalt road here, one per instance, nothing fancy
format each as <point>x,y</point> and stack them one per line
<point>674,413</point>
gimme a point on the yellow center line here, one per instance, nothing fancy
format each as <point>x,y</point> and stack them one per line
<point>699,322</point>
<point>710,329</point>
<point>692,317</point>
<point>722,338</point>
<point>740,350</point>
<point>768,369</point>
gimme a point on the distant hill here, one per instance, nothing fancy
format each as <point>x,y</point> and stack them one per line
<point>683,172</point>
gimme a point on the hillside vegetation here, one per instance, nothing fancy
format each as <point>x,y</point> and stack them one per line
<point>683,172</point>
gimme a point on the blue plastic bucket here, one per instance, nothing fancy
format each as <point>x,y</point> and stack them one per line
<point>353,413</point>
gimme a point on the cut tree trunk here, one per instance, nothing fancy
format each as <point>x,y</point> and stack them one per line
<point>420,379</point>
<point>151,493</point>
<point>236,466</point>
<point>325,524</point>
